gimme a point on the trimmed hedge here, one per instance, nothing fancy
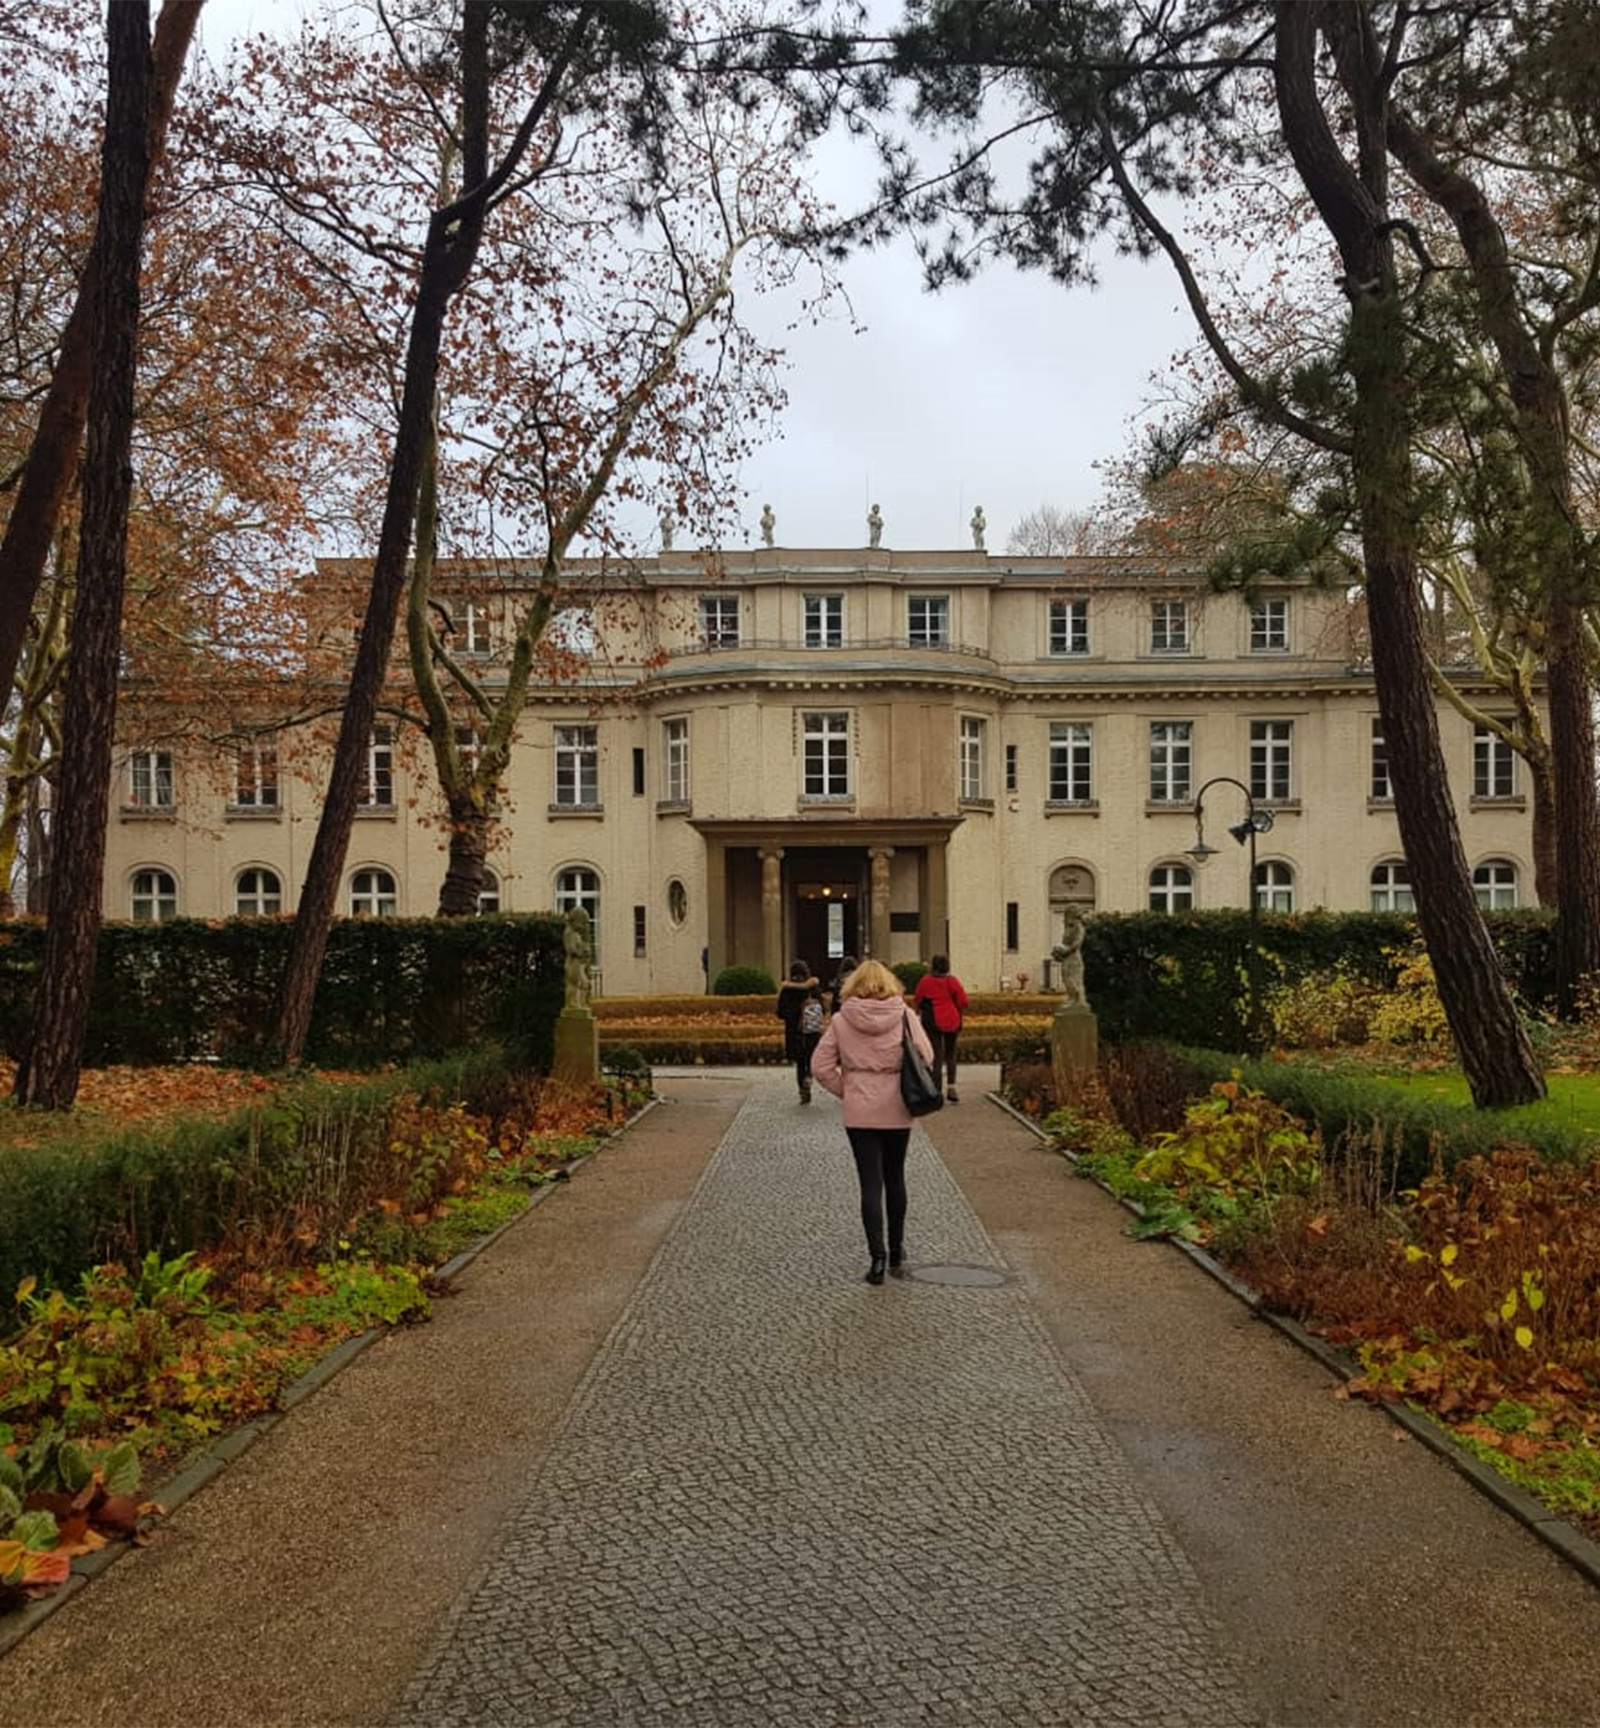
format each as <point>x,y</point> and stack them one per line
<point>1184,975</point>
<point>318,1150</point>
<point>391,989</point>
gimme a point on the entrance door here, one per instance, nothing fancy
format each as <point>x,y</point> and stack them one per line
<point>827,893</point>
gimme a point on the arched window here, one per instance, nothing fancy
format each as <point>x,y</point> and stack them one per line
<point>1275,886</point>
<point>257,893</point>
<point>1171,888</point>
<point>579,886</point>
<point>154,896</point>
<point>374,894</point>
<point>1495,880</point>
<point>1391,887</point>
<point>489,894</point>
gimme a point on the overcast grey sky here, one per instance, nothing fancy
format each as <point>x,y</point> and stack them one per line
<point>1005,392</point>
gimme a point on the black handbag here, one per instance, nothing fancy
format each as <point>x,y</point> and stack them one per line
<point>918,1087</point>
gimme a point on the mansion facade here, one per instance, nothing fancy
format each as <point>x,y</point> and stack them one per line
<point>788,753</point>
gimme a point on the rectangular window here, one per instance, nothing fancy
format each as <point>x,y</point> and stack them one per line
<point>1069,626</point>
<point>473,625</point>
<point>928,620</point>
<point>255,780</point>
<point>1011,767</point>
<point>1494,763</point>
<point>377,770</point>
<point>1169,627</point>
<point>675,761</point>
<point>1269,626</point>
<point>638,772</point>
<point>1271,758</point>
<point>1378,786</point>
<point>578,767</point>
<point>1071,762</point>
<point>638,931</point>
<point>469,747</point>
<point>1171,761</point>
<point>1013,927</point>
<point>150,780</point>
<point>824,620</point>
<point>719,620</point>
<point>974,750</point>
<point>826,755</point>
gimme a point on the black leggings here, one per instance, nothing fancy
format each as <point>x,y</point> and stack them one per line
<point>880,1155</point>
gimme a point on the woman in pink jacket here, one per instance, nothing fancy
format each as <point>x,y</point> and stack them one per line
<point>858,1061</point>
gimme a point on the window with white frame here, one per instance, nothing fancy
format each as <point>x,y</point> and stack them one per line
<point>374,894</point>
<point>488,893</point>
<point>255,777</point>
<point>974,758</point>
<point>472,625</point>
<point>641,926</point>
<point>1171,761</point>
<point>1494,764</point>
<point>824,620</point>
<point>1011,767</point>
<point>719,620</point>
<point>150,780</point>
<point>1275,886</point>
<point>469,747</point>
<point>577,759</point>
<point>153,896</point>
<point>1171,888</point>
<point>1379,787</point>
<point>257,893</point>
<point>578,889</point>
<point>377,770</point>
<point>1169,626</point>
<point>928,620</point>
<point>1391,887</point>
<point>571,631</point>
<point>1271,759</point>
<point>825,755</point>
<point>1069,626</point>
<point>1269,626</point>
<point>675,759</point>
<point>1071,762</point>
<point>1495,883</point>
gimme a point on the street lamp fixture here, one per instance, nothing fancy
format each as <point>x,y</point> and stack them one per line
<point>1255,822</point>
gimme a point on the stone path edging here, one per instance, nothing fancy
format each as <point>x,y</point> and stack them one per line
<point>1579,1551</point>
<point>215,1458</point>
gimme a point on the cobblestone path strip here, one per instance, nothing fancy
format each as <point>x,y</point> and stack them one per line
<point>783,1497</point>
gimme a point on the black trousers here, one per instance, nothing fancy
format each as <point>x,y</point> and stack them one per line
<point>944,1056</point>
<point>880,1155</point>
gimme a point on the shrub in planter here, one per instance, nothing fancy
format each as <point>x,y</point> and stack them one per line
<point>909,972</point>
<point>743,981</point>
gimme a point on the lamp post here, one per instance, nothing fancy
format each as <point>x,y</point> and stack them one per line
<point>1245,832</point>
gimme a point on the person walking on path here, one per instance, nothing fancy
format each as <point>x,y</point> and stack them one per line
<point>942,1001</point>
<point>792,996</point>
<point>858,1061</point>
<point>847,965</point>
<point>812,1021</point>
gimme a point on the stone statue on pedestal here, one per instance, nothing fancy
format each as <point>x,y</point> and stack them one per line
<point>979,523</point>
<point>768,523</point>
<point>874,526</point>
<point>1068,953</point>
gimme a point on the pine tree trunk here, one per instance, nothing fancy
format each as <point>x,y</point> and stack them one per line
<point>49,1072</point>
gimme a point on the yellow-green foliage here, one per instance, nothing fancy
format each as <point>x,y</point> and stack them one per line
<point>1411,1013</point>
<point>1235,1140</point>
<point>1319,1011</point>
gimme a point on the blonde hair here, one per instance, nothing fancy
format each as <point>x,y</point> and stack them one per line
<point>871,979</point>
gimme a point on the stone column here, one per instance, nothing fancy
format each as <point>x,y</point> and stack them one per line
<point>716,941</point>
<point>878,912</point>
<point>936,905</point>
<point>772,912</point>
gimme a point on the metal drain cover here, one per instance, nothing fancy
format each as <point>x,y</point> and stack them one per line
<point>982,1277</point>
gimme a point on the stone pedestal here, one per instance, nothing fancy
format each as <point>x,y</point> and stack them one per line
<point>577,1049</point>
<point>1074,1049</point>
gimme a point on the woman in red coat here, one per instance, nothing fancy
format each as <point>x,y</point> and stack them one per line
<point>941,997</point>
<point>858,1061</point>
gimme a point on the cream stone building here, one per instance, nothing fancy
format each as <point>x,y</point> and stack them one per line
<point>813,753</point>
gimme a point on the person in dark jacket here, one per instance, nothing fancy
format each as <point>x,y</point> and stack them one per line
<point>847,965</point>
<point>941,999</point>
<point>858,1061</point>
<point>791,999</point>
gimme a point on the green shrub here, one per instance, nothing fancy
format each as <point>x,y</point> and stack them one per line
<point>909,972</point>
<point>743,981</point>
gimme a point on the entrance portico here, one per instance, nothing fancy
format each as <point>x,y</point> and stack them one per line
<point>819,890</point>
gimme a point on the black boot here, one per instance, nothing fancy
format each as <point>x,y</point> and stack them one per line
<point>875,1270</point>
